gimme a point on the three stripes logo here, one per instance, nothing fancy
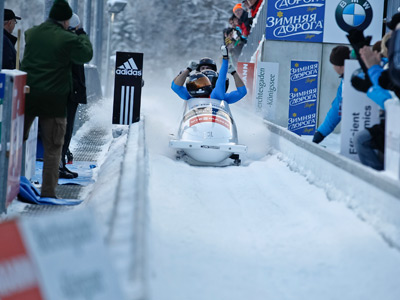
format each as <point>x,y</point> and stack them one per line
<point>129,68</point>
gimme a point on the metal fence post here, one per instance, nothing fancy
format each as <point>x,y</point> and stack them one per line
<point>47,5</point>
<point>99,35</point>
<point>74,6</point>
<point>88,16</point>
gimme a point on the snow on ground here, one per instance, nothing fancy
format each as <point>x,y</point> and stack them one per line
<point>258,231</point>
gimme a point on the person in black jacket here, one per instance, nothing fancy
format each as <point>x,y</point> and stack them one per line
<point>78,96</point>
<point>9,52</point>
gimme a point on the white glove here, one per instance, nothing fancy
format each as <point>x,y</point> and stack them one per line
<point>224,51</point>
<point>231,69</point>
<point>192,65</point>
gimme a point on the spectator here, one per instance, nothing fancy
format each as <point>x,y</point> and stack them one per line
<point>9,41</point>
<point>244,20</point>
<point>338,55</point>
<point>234,42</point>
<point>78,96</point>
<point>49,52</point>
<point>254,6</point>
<point>370,141</point>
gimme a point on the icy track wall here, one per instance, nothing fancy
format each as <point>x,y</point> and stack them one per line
<point>374,197</point>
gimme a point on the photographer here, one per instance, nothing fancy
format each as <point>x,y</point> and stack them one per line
<point>338,55</point>
<point>78,96</point>
<point>370,142</point>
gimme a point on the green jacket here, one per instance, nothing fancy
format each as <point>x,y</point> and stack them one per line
<point>49,53</point>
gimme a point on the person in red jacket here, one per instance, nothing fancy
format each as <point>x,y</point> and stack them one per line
<point>244,20</point>
<point>254,6</point>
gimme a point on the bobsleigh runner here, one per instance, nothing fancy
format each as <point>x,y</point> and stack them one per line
<point>207,134</point>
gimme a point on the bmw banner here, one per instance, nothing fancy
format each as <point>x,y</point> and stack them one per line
<point>343,15</point>
<point>303,97</point>
<point>127,87</point>
<point>295,20</point>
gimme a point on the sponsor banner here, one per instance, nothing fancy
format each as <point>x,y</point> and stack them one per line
<point>295,20</point>
<point>392,138</point>
<point>209,118</point>
<point>246,72</point>
<point>127,87</point>
<point>16,137</point>
<point>19,279</point>
<point>303,97</point>
<point>343,15</point>
<point>59,256</point>
<point>358,112</point>
<point>266,89</point>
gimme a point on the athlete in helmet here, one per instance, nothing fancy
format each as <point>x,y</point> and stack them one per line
<point>219,91</point>
<point>206,64</point>
<point>198,85</point>
<point>213,76</point>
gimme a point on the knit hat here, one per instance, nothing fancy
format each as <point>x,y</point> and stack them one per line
<point>394,21</point>
<point>237,6</point>
<point>74,21</point>
<point>339,54</point>
<point>60,11</point>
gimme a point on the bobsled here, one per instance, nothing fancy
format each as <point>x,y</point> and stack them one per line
<point>207,134</point>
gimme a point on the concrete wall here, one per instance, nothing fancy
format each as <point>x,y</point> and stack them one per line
<point>283,52</point>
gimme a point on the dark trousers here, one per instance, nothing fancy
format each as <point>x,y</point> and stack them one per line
<point>52,131</point>
<point>72,107</point>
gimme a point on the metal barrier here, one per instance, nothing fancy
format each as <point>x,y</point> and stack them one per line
<point>256,34</point>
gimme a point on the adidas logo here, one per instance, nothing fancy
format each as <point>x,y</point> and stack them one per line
<point>129,68</point>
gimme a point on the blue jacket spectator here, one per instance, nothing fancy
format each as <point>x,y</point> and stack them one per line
<point>338,55</point>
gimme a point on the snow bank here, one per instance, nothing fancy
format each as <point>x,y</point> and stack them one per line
<point>372,195</point>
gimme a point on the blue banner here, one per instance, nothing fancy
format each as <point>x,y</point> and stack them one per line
<point>303,97</point>
<point>295,20</point>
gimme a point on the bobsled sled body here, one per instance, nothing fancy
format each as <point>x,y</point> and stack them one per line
<point>208,133</point>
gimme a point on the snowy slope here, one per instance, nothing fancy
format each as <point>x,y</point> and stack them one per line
<point>258,231</point>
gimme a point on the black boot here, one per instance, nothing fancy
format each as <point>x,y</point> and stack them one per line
<point>64,174</point>
<point>69,171</point>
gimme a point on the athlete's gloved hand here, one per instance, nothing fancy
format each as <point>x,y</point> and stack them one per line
<point>224,52</point>
<point>228,41</point>
<point>192,65</point>
<point>361,84</point>
<point>231,69</point>
<point>318,137</point>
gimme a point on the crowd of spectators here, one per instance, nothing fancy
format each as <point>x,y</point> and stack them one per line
<point>235,36</point>
<point>379,79</point>
<point>54,55</point>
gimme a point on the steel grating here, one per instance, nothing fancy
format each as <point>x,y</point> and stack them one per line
<point>90,145</point>
<point>88,149</point>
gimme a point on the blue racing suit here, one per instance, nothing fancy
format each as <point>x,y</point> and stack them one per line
<point>334,114</point>
<point>219,90</point>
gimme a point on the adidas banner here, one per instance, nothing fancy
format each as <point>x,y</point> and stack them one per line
<point>127,87</point>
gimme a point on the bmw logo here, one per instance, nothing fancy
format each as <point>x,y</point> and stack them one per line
<point>353,14</point>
